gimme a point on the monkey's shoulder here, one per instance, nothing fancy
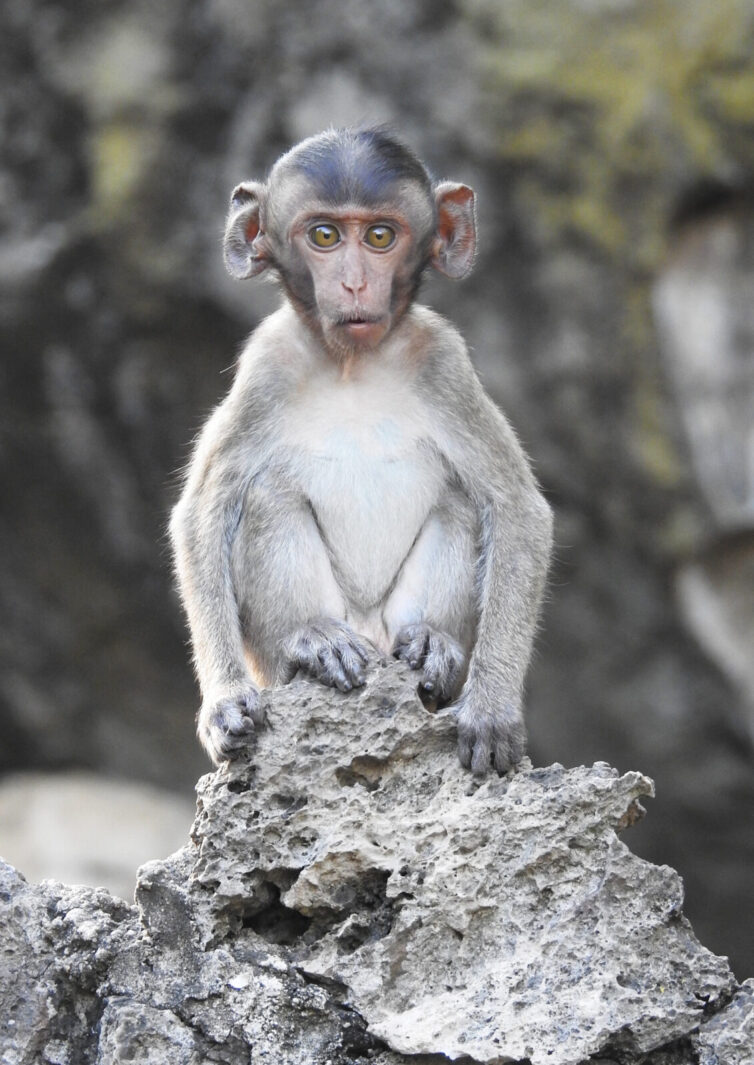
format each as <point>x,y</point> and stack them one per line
<point>278,349</point>
<point>434,335</point>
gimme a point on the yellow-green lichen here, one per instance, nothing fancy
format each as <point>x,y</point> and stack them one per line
<point>121,152</point>
<point>594,98</point>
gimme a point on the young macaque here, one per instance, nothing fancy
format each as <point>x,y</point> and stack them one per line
<point>357,486</point>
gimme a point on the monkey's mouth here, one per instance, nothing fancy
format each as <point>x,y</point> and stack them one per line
<point>358,319</point>
<point>363,330</point>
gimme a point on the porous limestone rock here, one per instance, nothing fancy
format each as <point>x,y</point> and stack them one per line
<point>350,893</point>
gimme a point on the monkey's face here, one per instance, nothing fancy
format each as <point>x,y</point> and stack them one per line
<point>357,269</point>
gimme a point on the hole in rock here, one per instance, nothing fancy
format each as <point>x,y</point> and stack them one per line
<point>370,931</point>
<point>374,912</point>
<point>368,892</point>
<point>289,804</point>
<point>285,878</point>
<point>365,771</point>
<point>277,923</point>
<point>238,787</point>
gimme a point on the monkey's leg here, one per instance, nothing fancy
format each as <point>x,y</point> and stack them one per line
<point>430,614</point>
<point>292,608</point>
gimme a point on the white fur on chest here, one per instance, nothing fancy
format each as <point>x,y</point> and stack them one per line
<point>357,452</point>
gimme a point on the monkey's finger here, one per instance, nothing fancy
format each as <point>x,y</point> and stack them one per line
<point>251,706</point>
<point>465,750</point>
<point>508,752</point>
<point>467,737</point>
<point>331,670</point>
<point>360,648</point>
<point>225,731</point>
<point>475,746</point>
<point>224,747</point>
<point>301,653</point>
<point>481,759</point>
<point>348,636</point>
<point>352,663</point>
<point>228,717</point>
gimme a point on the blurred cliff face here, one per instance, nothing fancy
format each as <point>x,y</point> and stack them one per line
<point>610,314</point>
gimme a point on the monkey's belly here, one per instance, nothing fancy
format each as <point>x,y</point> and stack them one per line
<point>370,511</point>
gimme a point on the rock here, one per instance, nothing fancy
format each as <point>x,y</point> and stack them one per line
<point>349,892</point>
<point>728,1038</point>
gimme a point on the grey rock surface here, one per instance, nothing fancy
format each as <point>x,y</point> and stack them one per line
<point>349,893</point>
<point>729,1036</point>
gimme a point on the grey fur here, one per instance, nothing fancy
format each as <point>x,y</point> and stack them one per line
<point>336,501</point>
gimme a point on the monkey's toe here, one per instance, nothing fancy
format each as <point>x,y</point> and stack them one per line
<point>438,655</point>
<point>411,644</point>
<point>442,666</point>
<point>329,651</point>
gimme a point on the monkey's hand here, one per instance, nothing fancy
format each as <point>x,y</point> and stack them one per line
<point>328,650</point>
<point>226,724</point>
<point>439,657</point>
<point>489,735</point>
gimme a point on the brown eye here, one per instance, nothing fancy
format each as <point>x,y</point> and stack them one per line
<point>324,235</point>
<point>380,236</point>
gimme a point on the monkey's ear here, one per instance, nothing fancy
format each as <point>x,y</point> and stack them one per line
<point>454,245</point>
<point>244,244</point>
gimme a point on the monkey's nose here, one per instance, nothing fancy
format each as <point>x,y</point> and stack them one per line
<point>355,285</point>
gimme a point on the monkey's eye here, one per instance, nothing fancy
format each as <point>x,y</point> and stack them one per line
<point>380,236</point>
<point>324,235</point>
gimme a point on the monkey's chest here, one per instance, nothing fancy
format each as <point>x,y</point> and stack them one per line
<point>371,488</point>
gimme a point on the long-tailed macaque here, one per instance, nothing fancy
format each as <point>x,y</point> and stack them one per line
<point>357,486</point>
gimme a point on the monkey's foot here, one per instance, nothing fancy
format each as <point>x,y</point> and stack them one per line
<point>226,725</point>
<point>330,651</point>
<point>439,657</point>
<point>489,738</point>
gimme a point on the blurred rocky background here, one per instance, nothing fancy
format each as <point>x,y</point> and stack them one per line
<point>611,313</point>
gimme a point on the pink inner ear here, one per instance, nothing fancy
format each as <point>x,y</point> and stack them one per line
<point>452,208</point>
<point>460,195</point>
<point>445,226</point>
<point>251,229</point>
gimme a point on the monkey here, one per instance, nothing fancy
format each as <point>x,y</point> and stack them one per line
<point>357,488</point>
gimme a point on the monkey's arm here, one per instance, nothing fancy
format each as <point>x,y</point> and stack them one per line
<point>202,528</point>
<point>515,526</point>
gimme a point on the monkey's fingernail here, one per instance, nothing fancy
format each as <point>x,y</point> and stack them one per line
<point>428,686</point>
<point>413,662</point>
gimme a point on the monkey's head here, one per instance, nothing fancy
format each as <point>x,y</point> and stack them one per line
<point>349,220</point>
